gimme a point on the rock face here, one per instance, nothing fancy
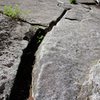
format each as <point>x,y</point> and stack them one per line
<point>86,1</point>
<point>67,61</point>
<point>67,64</point>
<point>12,32</point>
<point>36,11</point>
<point>11,46</point>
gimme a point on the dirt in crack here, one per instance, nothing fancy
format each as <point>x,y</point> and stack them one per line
<point>22,82</point>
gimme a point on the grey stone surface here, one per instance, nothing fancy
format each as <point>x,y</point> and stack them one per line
<point>36,11</point>
<point>11,46</point>
<point>91,86</point>
<point>78,12</point>
<point>85,1</point>
<point>67,61</point>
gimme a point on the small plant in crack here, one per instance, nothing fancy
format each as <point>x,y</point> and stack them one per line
<point>40,38</point>
<point>12,12</point>
<point>72,1</point>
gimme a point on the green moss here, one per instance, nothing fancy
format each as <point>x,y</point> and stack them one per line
<point>12,11</point>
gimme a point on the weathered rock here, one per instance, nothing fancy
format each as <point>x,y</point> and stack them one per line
<point>36,11</point>
<point>11,46</point>
<point>86,1</point>
<point>78,12</point>
<point>66,67</point>
<point>91,86</point>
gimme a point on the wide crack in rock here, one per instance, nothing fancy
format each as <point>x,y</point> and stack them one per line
<point>11,46</point>
<point>22,83</point>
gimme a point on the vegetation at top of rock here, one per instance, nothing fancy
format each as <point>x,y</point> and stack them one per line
<point>72,1</point>
<point>12,11</point>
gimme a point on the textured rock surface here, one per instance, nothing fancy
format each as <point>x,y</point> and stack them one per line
<point>91,86</point>
<point>36,11</point>
<point>67,62</point>
<point>85,1</point>
<point>11,46</point>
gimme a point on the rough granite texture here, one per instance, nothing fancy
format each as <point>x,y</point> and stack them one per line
<point>11,46</point>
<point>85,1</point>
<point>36,11</point>
<point>67,63</point>
<point>68,59</point>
